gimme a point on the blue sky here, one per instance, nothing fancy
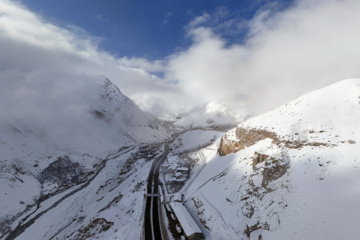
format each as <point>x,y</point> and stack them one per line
<point>150,29</point>
<point>170,56</point>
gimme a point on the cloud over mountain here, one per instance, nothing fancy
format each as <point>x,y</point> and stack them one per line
<point>39,59</point>
<point>282,53</point>
<point>285,53</point>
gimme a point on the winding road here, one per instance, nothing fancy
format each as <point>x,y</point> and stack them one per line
<point>152,218</point>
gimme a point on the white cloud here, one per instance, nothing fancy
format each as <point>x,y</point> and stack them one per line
<point>36,54</point>
<point>150,66</point>
<point>286,54</point>
<point>199,20</point>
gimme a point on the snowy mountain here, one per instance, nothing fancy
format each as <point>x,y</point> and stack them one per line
<point>62,144</point>
<point>75,165</point>
<point>292,173</point>
<point>212,115</point>
<point>89,112</point>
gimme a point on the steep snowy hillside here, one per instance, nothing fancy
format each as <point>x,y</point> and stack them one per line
<point>57,141</point>
<point>292,173</point>
<point>212,115</point>
<point>90,113</point>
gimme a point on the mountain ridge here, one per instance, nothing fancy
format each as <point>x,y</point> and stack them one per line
<point>290,173</point>
<point>292,178</point>
<point>44,155</point>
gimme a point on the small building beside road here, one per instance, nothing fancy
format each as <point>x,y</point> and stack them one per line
<point>187,223</point>
<point>183,170</point>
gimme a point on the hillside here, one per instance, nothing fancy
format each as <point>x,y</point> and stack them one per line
<point>58,144</point>
<point>78,169</point>
<point>292,173</point>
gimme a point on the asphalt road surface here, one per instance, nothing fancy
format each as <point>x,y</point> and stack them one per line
<point>152,219</point>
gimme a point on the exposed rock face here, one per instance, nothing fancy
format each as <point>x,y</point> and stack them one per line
<point>259,158</point>
<point>253,228</point>
<point>273,170</point>
<point>249,137</point>
<point>246,138</point>
<point>228,146</point>
<point>95,227</point>
<point>63,172</point>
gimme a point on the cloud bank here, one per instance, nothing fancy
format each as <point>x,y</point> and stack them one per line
<point>40,59</point>
<point>284,54</point>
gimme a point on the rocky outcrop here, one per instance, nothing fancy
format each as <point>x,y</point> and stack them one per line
<point>228,146</point>
<point>259,158</point>
<point>273,170</point>
<point>63,172</point>
<point>251,136</point>
<point>94,228</point>
<point>253,228</point>
<point>246,138</point>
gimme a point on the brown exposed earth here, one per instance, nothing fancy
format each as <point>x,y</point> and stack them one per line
<point>248,137</point>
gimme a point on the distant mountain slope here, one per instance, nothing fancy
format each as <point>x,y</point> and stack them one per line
<point>213,114</point>
<point>55,137</point>
<point>89,114</point>
<point>292,173</point>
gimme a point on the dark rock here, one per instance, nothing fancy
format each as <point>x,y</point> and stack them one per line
<point>95,227</point>
<point>64,172</point>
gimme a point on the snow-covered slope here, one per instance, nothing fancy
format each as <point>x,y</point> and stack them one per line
<point>292,173</point>
<point>213,114</point>
<point>54,138</point>
<point>89,115</point>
